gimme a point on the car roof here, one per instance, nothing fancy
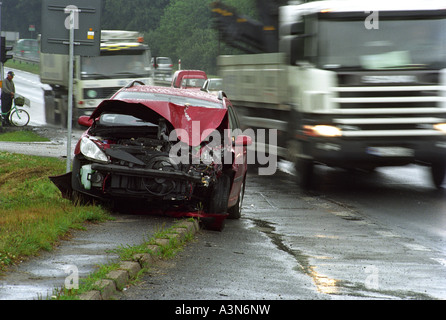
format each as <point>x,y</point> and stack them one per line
<point>194,76</point>
<point>209,114</point>
<point>191,72</point>
<point>203,95</point>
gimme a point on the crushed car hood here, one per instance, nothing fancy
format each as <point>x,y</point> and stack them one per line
<point>189,121</point>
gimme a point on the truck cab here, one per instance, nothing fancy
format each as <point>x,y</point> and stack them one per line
<point>354,84</point>
<point>375,97</point>
<point>124,57</point>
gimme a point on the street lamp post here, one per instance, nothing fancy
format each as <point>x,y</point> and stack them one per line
<point>1,64</point>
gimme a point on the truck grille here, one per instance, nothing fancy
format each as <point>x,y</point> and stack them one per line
<point>100,93</point>
<point>381,98</point>
<point>389,105</point>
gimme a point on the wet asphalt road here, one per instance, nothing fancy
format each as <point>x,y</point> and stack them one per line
<point>333,243</point>
<point>356,236</point>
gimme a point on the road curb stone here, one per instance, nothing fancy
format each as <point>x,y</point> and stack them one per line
<point>117,280</point>
<point>107,288</point>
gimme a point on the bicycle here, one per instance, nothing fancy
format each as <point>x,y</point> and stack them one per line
<point>18,117</point>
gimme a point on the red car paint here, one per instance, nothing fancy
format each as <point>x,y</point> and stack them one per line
<point>188,76</point>
<point>194,114</point>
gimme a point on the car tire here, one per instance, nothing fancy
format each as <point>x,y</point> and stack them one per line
<point>218,202</point>
<point>236,211</point>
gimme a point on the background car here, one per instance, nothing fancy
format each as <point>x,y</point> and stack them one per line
<point>163,67</point>
<point>26,48</point>
<point>167,147</point>
<point>189,79</point>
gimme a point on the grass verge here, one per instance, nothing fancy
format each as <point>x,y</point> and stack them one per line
<point>33,215</point>
<point>24,66</point>
<point>22,136</point>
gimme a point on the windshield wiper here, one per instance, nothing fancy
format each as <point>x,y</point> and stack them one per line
<point>131,73</point>
<point>343,68</point>
<point>96,75</point>
<point>406,66</point>
<point>358,68</point>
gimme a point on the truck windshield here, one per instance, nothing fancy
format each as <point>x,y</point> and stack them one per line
<point>116,66</point>
<point>392,44</point>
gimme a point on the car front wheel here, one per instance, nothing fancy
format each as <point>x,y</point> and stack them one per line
<point>236,211</point>
<point>218,202</point>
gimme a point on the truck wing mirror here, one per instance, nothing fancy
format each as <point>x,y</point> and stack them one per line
<point>292,29</point>
<point>293,47</point>
<point>293,41</point>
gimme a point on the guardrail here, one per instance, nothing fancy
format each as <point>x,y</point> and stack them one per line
<point>28,60</point>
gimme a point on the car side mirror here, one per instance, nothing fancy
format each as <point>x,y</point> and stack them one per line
<point>85,121</point>
<point>243,141</point>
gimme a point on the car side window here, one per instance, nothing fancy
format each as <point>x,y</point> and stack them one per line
<point>175,82</point>
<point>233,123</point>
<point>233,120</point>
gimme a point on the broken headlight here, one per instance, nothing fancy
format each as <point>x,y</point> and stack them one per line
<point>92,151</point>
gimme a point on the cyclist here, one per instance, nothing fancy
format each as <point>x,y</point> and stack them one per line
<point>8,92</point>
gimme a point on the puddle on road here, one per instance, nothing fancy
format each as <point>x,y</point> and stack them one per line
<point>323,283</point>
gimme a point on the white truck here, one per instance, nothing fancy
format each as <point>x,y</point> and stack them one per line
<point>355,84</point>
<point>124,58</point>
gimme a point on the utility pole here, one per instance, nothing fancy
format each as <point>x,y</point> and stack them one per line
<point>72,11</point>
<point>84,17</point>
<point>1,64</point>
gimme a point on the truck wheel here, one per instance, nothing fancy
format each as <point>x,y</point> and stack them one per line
<point>304,170</point>
<point>438,171</point>
<point>49,107</point>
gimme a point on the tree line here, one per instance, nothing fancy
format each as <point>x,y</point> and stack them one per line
<point>180,29</point>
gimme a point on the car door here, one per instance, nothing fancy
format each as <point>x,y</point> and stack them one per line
<point>239,164</point>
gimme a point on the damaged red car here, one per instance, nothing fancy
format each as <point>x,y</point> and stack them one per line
<point>166,146</point>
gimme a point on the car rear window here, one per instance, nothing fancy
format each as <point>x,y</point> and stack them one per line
<point>178,100</point>
<point>163,61</point>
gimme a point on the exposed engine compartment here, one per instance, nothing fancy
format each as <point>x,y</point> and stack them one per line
<point>141,164</point>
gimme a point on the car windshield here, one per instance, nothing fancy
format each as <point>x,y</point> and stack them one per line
<point>189,82</point>
<point>116,66</point>
<point>393,44</point>
<point>178,100</point>
<point>113,119</point>
<point>163,61</point>
<point>215,84</point>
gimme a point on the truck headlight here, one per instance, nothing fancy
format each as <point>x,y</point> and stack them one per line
<point>92,151</point>
<point>440,127</point>
<point>322,131</point>
<point>92,94</point>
